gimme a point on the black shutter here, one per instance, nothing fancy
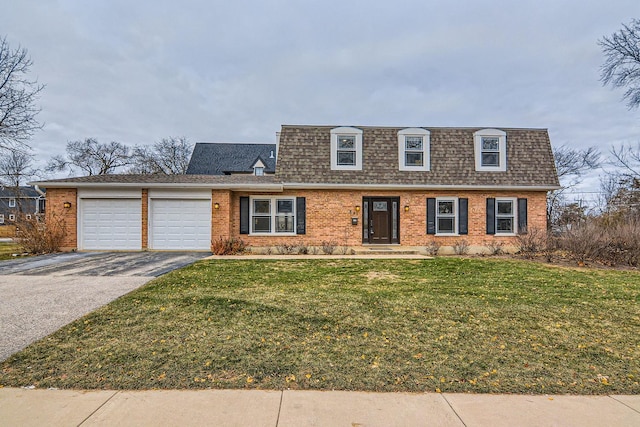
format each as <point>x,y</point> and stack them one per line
<point>522,216</point>
<point>301,214</point>
<point>491,216</point>
<point>244,215</point>
<point>463,216</point>
<point>431,215</point>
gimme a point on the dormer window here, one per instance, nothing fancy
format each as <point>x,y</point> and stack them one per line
<point>346,148</point>
<point>12,203</point>
<point>413,149</point>
<point>490,150</point>
<point>258,168</point>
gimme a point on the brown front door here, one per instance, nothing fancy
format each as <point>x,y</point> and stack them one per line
<point>380,222</point>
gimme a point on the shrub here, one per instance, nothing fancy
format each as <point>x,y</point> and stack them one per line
<point>285,249</point>
<point>228,246</point>
<point>302,249</point>
<point>494,247</point>
<point>461,247</point>
<point>532,243</point>
<point>432,248</point>
<point>38,237</point>
<point>609,243</point>
<point>328,247</point>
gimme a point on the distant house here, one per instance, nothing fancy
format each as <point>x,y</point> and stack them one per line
<point>232,158</point>
<point>359,186</point>
<point>21,202</point>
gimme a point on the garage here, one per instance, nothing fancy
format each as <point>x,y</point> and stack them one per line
<point>110,224</point>
<point>182,222</point>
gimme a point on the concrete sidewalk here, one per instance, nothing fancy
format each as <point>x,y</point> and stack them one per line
<point>20,407</point>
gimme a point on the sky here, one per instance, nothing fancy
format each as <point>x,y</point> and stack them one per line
<point>212,71</point>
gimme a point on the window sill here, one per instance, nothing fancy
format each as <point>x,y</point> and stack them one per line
<point>271,234</point>
<point>447,235</point>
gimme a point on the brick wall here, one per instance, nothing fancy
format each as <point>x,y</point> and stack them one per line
<point>145,218</point>
<point>329,216</point>
<point>220,224</point>
<point>56,197</point>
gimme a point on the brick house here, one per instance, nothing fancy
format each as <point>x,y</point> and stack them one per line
<point>357,186</point>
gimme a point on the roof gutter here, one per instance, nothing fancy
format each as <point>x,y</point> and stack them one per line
<point>271,187</point>
<point>321,186</point>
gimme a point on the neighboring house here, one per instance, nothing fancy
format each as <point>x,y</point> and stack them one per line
<point>24,202</point>
<point>231,159</point>
<point>356,186</point>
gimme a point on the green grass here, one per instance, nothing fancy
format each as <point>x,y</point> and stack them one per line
<point>449,324</point>
<point>7,249</point>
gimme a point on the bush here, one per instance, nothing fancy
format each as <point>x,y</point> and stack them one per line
<point>38,237</point>
<point>461,247</point>
<point>432,248</point>
<point>532,243</point>
<point>328,247</point>
<point>615,243</point>
<point>494,247</point>
<point>228,246</point>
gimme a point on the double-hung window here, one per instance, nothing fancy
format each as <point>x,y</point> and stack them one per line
<point>446,216</point>
<point>12,203</point>
<point>413,149</point>
<point>346,148</point>
<point>490,150</point>
<point>505,216</point>
<point>346,151</point>
<point>273,215</point>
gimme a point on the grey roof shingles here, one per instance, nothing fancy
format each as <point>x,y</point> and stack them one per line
<point>223,158</point>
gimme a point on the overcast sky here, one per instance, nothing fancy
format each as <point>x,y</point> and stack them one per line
<point>213,71</point>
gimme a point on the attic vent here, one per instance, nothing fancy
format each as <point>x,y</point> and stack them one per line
<point>271,155</point>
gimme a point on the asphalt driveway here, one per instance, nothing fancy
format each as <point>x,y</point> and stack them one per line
<point>39,295</point>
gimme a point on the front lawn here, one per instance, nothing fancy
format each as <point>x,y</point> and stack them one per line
<point>449,324</point>
<point>7,249</point>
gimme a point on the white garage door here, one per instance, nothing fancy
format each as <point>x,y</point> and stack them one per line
<point>111,224</point>
<point>180,224</point>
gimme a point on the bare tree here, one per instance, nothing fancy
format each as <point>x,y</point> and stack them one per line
<point>92,157</point>
<point>16,167</point>
<point>622,64</point>
<point>627,158</point>
<point>571,164</point>
<point>18,95</point>
<point>169,156</point>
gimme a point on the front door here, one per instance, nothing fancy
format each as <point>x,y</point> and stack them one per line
<point>380,220</point>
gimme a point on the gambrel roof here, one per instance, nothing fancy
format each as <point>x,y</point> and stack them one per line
<point>305,151</point>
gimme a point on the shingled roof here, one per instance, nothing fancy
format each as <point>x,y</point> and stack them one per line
<point>305,152</point>
<point>228,158</point>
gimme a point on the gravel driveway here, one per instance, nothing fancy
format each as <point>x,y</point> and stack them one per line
<point>39,295</point>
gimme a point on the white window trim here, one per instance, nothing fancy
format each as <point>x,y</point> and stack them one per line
<point>12,202</point>
<point>12,217</point>
<point>426,149</point>
<point>455,215</point>
<point>514,205</point>
<point>272,214</point>
<point>502,149</point>
<point>258,170</point>
<point>346,131</point>
<point>1,218</point>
